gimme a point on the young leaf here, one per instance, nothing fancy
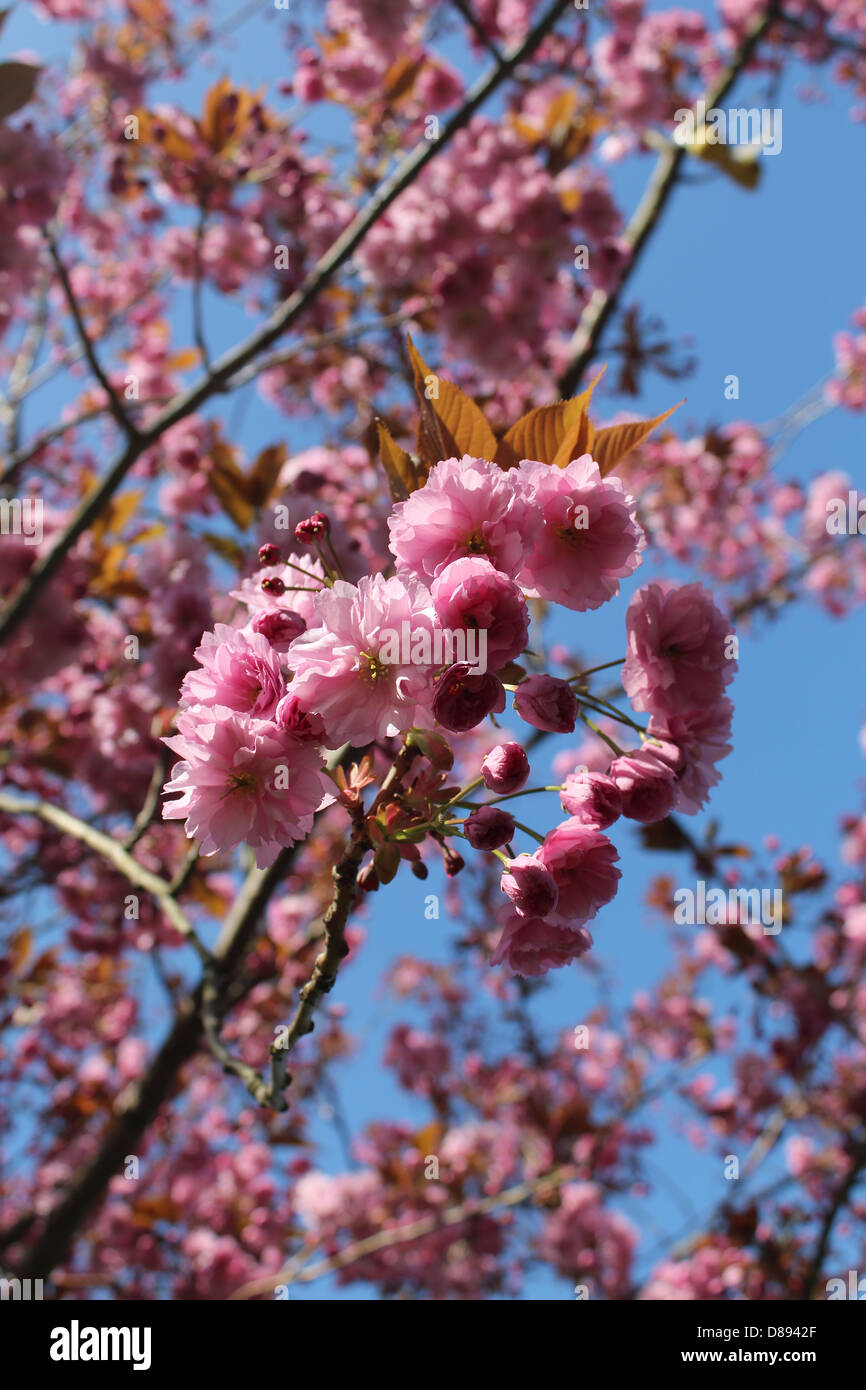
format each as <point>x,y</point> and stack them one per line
<point>542,432</point>
<point>400,77</point>
<point>462,428</point>
<point>17,85</point>
<point>263,474</point>
<point>229,485</point>
<point>613,444</point>
<point>402,474</point>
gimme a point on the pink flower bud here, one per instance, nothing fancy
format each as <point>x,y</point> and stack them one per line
<point>489,828</point>
<point>274,586</point>
<point>453,861</point>
<point>647,785</point>
<point>269,554</point>
<point>548,703</point>
<point>461,701</point>
<point>295,720</point>
<point>592,797</point>
<point>312,529</point>
<point>530,886</point>
<point>280,625</point>
<point>505,769</point>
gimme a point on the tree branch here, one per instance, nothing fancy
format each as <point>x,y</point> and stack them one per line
<point>88,349</point>
<point>136,1109</point>
<point>282,319</point>
<point>297,1273</point>
<point>114,852</point>
<point>843,1192</point>
<point>603,303</point>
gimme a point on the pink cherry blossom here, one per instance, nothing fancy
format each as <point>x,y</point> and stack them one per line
<point>339,672</point>
<point>242,780</point>
<point>466,507</point>
<point>591,797</point>
<point>532,946</point>
<point>701,736</point>
<point>590,538</point>
<point>470,593</point>
<point>239,670</point>
<point>583,863</point>
<point>677,640</point>
<point>530,886</point>
<point>645,783</point>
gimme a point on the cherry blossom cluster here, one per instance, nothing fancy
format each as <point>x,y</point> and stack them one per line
<point>322,663</point>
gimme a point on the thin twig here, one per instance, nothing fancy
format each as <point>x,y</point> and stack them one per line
<point>603,303</point>
<point>87,346</point>
<point>115,854</point>
<point>477,28</point>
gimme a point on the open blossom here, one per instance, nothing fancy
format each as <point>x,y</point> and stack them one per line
<point>583,863</point>
<point>701,736</point>
<point>532,946</point>
<point>590,538</point>
<point>339,672</point>
<point>239,670</point>
<point>548,703</point>
<point>505,769</point>
<point>676,649</point>
<point>466,507</point>
<point>530,886</point>
<point>470,593</point>
<point>593,797</point>
<point>646,784</point>
<point>243,779</point>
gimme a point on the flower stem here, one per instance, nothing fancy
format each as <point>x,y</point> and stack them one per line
<point>591,670</point>
<point>596,730</point>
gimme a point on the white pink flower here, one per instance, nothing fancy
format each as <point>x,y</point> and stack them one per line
<point>466,507</point>
<point>677,649</point>
<point>243,780</point>
<point>239,670</point>
<point>339,672</point>
<point>590,538</point>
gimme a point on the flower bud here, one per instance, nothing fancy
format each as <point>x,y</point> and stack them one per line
<point>505,769</point>
<point>312,529</point>
<point>592,797</point>
<point>548,703</point>
<point>530,886</point>
<point>488,827</point>
<point>461,700</point>
<point>280,625</point>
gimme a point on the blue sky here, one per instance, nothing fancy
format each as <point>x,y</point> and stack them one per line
<point>760,282</point>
